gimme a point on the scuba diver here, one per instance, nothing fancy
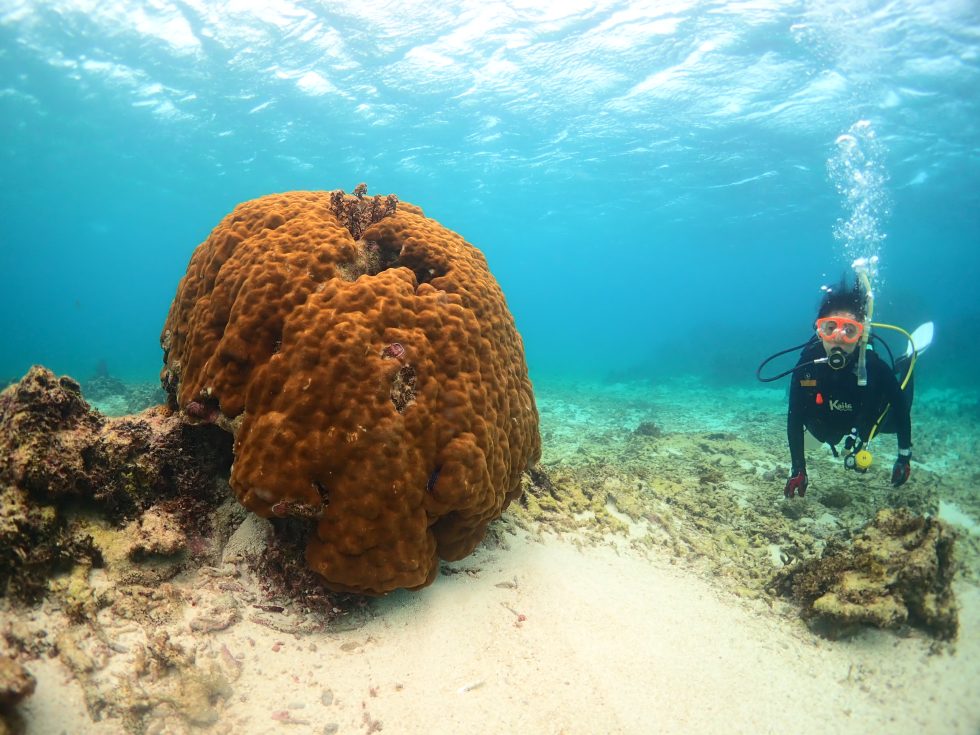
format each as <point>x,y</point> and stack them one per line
<point>843,390</point>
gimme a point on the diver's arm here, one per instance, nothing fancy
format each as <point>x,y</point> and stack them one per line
<point>797,481</point>
<point>794,426</point>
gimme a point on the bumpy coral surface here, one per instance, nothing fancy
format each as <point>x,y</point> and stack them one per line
<point>364,358</point>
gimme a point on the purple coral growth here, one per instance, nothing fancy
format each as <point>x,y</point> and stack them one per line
<point>395,350</point>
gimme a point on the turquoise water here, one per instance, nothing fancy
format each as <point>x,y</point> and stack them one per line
<point>660,189</point>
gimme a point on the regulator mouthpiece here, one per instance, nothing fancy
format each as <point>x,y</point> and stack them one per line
<point>837,358</point>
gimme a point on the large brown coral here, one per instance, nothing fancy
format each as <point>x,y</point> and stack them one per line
<point>365,359</point>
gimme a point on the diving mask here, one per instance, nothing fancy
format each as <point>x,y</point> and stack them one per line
<point>846,330</point>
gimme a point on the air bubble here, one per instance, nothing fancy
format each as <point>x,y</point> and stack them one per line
<point>858,173</point>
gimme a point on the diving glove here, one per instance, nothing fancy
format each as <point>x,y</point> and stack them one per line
<point>902,469</point>
<point>797,483</point>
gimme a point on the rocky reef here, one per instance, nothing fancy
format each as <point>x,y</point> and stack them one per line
<point>131,497</point>
<point>100,520</point>
<point>897,571</point>
<point>68,475</point>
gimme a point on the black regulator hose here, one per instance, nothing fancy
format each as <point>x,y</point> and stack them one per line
<point>758,371</point>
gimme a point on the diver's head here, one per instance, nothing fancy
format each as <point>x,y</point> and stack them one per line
<point>844,298</point>
<point>840,320</point>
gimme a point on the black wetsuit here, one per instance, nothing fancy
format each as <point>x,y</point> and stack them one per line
<point>829,403</point>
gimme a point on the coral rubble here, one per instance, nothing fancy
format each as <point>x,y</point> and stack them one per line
<point>897,571</point>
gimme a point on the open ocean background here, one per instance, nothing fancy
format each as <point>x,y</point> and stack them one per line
<point>661,188</point>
